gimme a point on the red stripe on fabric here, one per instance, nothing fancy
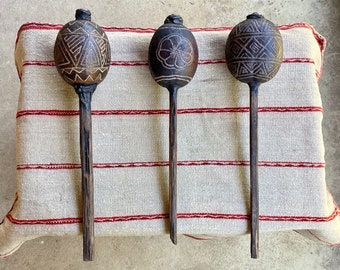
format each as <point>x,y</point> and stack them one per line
<point>113,63</point>
<point>304,60</point>
<point>131,218</point>
<point>287,218</point>
<point>180,111</point>
<point>63,221</point>
<point>285,60</point>
<point>48,112</point>
<point>321,240</point>
<point>320,39</point>
<point>37,26</point>
<point>15,201</point>
<point>298,60</point>
<point>54,221</point>
<point>142,30</point>
<point>131,63</point>
<point>145,62</point>
<point>335,213</point>
<point>196,238</point>
<point>331,196</point>
<point>75,220</point>
<point>211,61</point>
<point>112,165</point>
<point>47,63</point>
<point>48,26</point>
<point>50,166</point>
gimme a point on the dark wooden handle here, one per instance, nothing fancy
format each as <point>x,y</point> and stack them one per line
<point>173,163</point>
<point>82,57</point>
<point>254,54</point>
<point>254,189</point>
<point>173,58</point>
<point>85,121</point>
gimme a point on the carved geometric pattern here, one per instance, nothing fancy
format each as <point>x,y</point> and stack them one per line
<point>172,78</point>
<point>82,53</point>
<point>254,50</point>
<point>175,52</point>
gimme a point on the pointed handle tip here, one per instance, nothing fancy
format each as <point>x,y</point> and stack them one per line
<point>173,238</point>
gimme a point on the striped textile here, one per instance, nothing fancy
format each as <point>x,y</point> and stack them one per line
<point>130,144</point>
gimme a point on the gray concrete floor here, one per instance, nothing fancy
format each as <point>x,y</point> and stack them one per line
<point>284,250</point>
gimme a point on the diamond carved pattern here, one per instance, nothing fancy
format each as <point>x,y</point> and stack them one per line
<point>255,51</point>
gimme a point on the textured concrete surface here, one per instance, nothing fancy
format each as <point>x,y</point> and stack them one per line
<point>284,250</point>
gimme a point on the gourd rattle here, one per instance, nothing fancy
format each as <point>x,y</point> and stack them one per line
<point>254,54</point>
<point>173,57</point>
<point>82,57</point>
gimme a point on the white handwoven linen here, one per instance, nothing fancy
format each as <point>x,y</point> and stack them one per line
<point>130,144</point>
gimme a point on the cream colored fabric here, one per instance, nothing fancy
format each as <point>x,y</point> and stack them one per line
<point>130,144</point>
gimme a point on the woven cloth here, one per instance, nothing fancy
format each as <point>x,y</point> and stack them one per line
<point>130,144</point>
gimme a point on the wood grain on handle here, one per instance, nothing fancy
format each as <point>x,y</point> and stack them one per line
<point>85,125</point>
<point>82,56</point>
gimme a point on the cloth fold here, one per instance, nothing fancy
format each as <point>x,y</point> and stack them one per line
<point>130,143</point>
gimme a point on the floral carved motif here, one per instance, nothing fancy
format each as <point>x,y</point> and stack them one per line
<point>175,52</point>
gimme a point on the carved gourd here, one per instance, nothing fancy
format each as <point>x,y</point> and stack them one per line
<point>82,51</point>
<point>173,54</point>
<point>254,54</point>
<point>82,57</point>
<point>254,50</point>
<point>173,58</point>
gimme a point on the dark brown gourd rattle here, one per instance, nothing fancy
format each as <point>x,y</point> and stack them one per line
<point>173,57</point>
<point>82,57</point>
<point>254,54</point>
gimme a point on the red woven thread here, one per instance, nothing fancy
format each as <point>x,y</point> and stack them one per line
<point>145,63</point>
<point>46,26</point>
<point>49,113</point>
<point>44,63</point>
<point>304,60</point>
<point>131,63</point>
<point>49,26</point>
<point>321,240</point>
<point>64,221</point>
<point>15,201</point>
<point>54,221</point>
<point>37,26</point>
<point>180,111</point>
<point>320,39</point>
<point>112,165</point>
<point>196,238</point>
